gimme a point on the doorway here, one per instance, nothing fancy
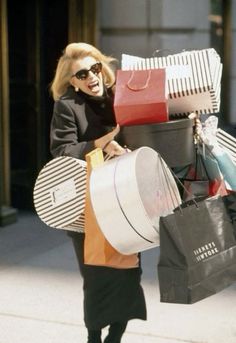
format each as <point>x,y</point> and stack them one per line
<point>37,33</point>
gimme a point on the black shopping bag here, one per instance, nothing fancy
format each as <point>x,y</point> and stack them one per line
<point>197,251</point>
<point>230,203</point>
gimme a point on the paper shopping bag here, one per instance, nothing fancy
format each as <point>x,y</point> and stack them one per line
<point>197,251</point>
<point>199,181</point>
<point>220,167</point>
<point>140,97</point>
<point>97,250</point>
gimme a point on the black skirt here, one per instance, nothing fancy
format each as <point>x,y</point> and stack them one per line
<point>110,295</point>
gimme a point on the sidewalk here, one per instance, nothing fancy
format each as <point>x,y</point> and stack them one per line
<point>41,295</point>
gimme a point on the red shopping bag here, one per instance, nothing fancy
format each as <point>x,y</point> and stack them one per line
<point>141,97</point>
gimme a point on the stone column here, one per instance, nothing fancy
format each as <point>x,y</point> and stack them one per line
<point>82,21</point>
<point>7,214</point>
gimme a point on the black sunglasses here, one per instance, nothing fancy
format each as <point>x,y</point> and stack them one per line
<point>84,73</point>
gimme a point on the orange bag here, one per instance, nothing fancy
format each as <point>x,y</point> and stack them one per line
<point>97,250</point>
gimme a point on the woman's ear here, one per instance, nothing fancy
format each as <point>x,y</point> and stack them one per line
<point>75,86</point>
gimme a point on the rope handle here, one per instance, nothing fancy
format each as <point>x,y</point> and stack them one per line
<point>138,88</point>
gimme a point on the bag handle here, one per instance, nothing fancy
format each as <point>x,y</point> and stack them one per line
<point>158,51</point>
<point>199,166</point>
<point>138,88</point>
<point>165,51</point>
<point>180,183</point>
<point>200,161</point>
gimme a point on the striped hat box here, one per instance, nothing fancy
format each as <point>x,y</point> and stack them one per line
<point>59,193</point>
<point>193,79</point>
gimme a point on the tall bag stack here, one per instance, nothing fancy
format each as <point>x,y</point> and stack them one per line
<point>193,84</point>
<point>193,79</point>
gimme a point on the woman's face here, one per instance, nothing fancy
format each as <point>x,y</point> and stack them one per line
<point>89,77</point>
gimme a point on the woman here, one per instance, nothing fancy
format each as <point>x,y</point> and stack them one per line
<point>83,119</point>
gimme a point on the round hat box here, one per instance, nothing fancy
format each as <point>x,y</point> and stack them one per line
<point>129,194</point>
<point>59,193</point>
<point>172,139</point>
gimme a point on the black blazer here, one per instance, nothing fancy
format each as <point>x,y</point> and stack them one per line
<point>75,126</point>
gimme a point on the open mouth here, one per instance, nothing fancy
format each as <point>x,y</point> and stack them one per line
<point>94,87</point>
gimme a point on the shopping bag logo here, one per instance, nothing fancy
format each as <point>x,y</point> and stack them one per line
<point>205,251</point>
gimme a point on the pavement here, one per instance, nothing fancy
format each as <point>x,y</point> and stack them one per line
<point>41,295</point>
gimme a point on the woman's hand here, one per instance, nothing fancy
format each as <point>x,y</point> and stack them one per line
<point>108,144</point>
<point>114,149</point>
<point>103,141</point>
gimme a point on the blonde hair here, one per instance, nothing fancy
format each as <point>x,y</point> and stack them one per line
<point>73,52</point>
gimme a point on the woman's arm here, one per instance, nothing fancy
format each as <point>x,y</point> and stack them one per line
<point>64,135</point>
<point>67,139</point>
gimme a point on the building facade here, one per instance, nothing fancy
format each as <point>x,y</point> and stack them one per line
<point>143,26</point>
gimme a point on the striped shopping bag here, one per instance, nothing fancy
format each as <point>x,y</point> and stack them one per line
<point>227,142</point>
